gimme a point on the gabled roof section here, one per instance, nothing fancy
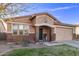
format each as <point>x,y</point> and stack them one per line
<point>18,17</point>
<point>33,16</point>
<point>71,25</point>
<point>45,13</point>
<point>56,22</point>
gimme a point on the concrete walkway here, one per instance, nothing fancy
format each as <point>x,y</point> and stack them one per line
<point>6,47</point>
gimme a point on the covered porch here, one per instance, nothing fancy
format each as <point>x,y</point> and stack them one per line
<point>44,33</point>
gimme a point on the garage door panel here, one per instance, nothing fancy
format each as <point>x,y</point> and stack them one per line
<point>63,34</point>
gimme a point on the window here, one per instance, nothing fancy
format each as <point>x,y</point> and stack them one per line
<point>22,29</point>
<point>15,29</point>
<point>26,29</point>
<point>20,26</point>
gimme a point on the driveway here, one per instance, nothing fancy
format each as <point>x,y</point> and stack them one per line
<point>72,43</point>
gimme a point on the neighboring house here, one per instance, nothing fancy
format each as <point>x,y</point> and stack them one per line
<point>39,27</point>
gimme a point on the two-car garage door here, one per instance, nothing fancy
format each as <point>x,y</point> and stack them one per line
<point>63,34</point>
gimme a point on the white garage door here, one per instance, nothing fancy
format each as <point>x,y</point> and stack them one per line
<point>63,34</point>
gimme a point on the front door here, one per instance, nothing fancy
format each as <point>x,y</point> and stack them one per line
<point>44,33</point>
<point>40,34</point>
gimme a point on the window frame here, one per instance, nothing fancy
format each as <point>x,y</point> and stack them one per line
<point>13,29</point>
<point>24,24</point>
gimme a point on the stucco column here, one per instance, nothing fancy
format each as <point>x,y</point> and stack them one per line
<point>37,33</point>
<point>52,34</point>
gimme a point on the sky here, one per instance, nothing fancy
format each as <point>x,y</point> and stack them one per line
<point>64,12</point>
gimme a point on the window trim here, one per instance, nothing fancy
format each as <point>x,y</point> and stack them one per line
<point>18,28</point>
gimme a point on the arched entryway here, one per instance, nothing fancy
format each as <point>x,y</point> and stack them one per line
<point>45,33</point>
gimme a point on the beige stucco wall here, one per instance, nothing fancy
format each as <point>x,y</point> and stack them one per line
<point>77,30</point>
<point>44,20</point>
<point>32,29</point>
<point>63,34</point>
<point>22,20</point>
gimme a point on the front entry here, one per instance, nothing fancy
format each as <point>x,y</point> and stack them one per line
<point>44,33</point>
<point>40,34</point>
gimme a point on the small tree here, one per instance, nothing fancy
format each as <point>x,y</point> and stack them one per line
<point>9,9</point>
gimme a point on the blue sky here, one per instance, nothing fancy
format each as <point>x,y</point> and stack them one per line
<point>64,12</point>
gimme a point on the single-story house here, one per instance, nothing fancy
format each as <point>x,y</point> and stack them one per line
<point>38,27</point>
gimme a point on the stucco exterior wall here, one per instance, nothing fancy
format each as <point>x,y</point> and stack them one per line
<point>44,20</point>
<point>77,30</point>
<point>32,29</point>
<point>23,20</point>
<point>58,32</point>
<point>18,38</point>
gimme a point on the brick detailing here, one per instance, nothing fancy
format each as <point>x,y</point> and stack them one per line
<point>77,37</point>
<point>20,38</point>
<point>9,37</point>
<point>32,38</point>
<point>74,36</point>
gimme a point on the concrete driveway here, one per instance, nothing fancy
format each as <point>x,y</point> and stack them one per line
<point>72,43</point>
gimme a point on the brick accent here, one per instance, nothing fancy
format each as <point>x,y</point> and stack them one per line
<point>77,37</point>
<point>32,38</point>
<point>20,38</point>
<point>9,37</point>
<point>74,36</point>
